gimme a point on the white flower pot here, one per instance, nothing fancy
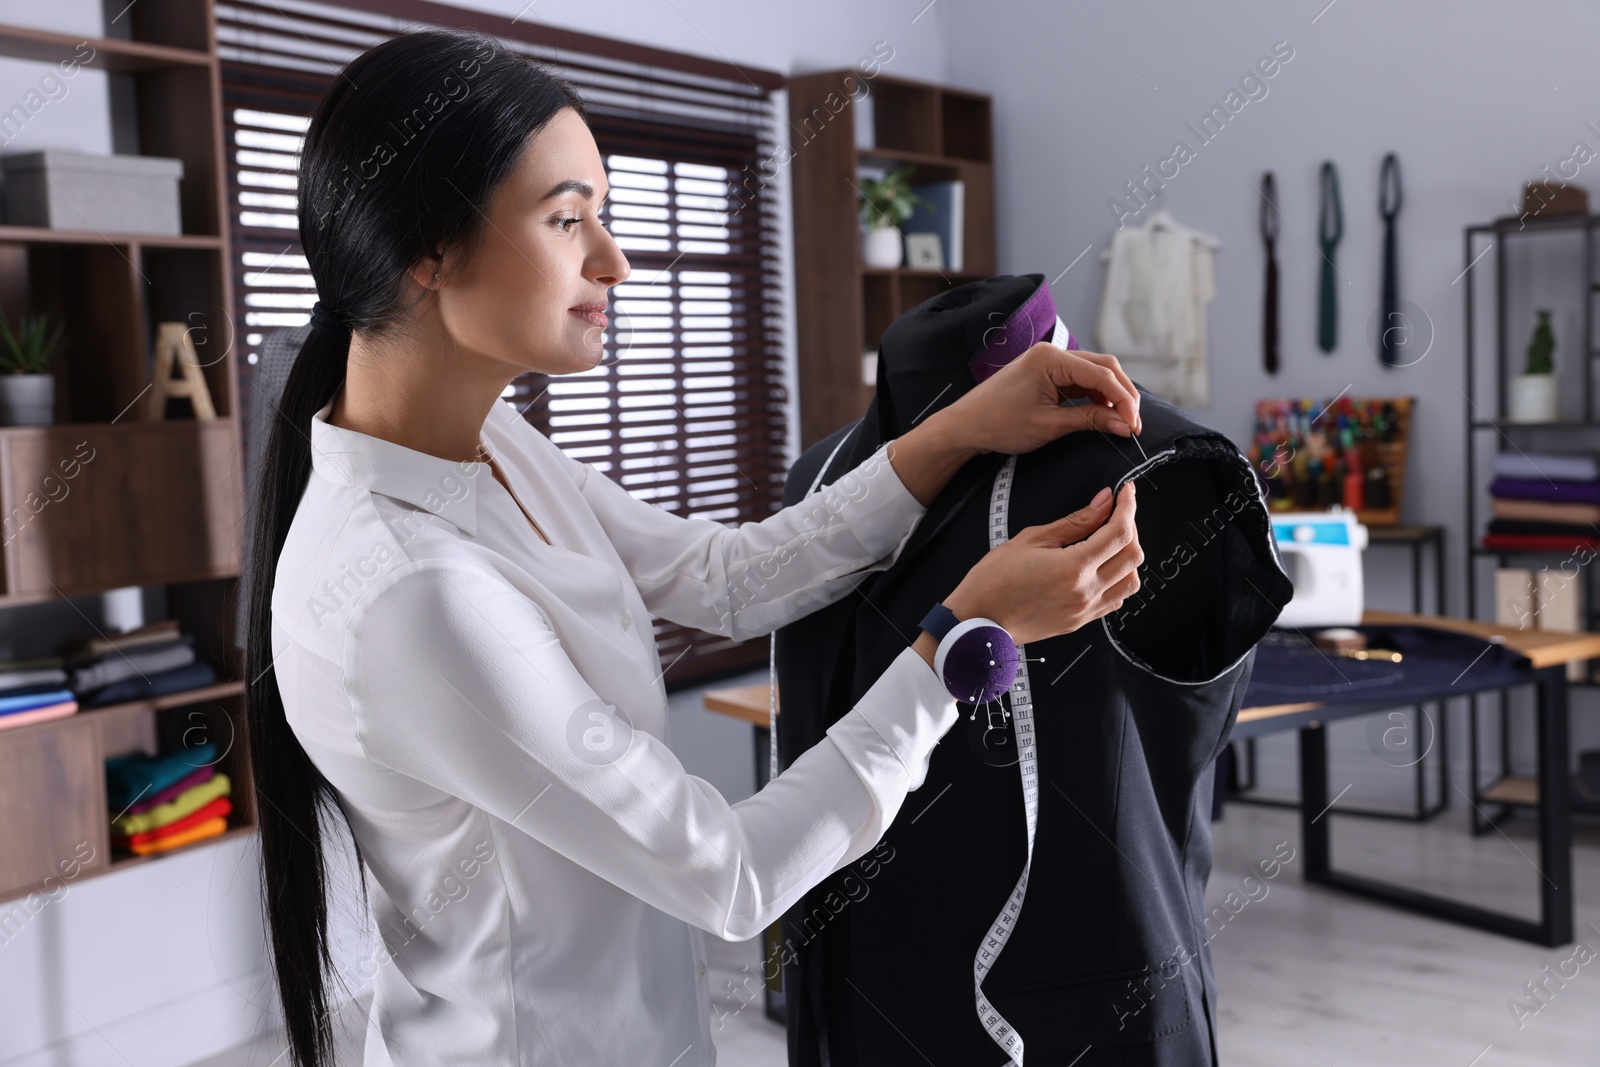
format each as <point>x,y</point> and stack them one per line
<point>27,399</point>
<point>1534,398</point>
<point>882,247</point>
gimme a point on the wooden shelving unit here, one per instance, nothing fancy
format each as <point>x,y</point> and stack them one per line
<point>158,503</point>
<point>842,307</point>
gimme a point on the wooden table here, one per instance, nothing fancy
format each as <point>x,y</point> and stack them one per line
<point>1548,652</point>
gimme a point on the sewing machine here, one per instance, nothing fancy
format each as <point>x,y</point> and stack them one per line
<point>1321,552</point>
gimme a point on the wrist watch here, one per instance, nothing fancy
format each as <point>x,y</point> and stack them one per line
<point>976,658</point>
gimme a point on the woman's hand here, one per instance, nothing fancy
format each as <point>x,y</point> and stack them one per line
<point>1051,579</point>
<point>1016,410</point>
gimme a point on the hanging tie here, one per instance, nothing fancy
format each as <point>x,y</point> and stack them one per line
<point>1330,216</point>
<point>1391,335</point>
<point>1269,311</point>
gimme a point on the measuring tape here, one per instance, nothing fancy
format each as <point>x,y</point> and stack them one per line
<point>1021,696</point>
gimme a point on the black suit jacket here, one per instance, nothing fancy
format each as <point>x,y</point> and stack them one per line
<point>1131,711</point>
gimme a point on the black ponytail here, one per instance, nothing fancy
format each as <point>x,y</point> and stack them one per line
<point>402,153</point>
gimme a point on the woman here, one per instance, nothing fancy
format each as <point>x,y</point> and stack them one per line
<point>449,638</point>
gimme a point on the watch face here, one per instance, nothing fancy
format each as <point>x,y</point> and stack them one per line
<point>988,733</point>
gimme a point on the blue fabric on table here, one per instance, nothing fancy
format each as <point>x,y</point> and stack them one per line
<point>42,699</point>
<point>1431,662</point>
<point>160,684</point>
<point>138,774</point>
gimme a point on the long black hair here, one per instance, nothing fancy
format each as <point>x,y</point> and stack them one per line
<point>400,158</point>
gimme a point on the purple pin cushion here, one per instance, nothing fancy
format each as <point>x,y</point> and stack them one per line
<point>977,661</point>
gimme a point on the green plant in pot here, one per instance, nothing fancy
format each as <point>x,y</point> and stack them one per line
<point>27,388</point>
<point>1535,396</point>
<point>885,203</point>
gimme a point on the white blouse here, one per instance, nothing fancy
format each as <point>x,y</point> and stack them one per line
<point>491,710</point>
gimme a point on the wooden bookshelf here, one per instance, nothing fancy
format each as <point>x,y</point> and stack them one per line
<point>160,503</point>
<point>842,307</point>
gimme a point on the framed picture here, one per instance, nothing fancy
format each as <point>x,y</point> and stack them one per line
<point>924,251</point>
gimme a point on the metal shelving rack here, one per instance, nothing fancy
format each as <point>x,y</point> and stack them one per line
<point>1510,791</point>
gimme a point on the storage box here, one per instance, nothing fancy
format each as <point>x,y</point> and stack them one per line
<point>78,191</point>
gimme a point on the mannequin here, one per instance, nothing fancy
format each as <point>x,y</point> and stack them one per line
<point>1108,951</point>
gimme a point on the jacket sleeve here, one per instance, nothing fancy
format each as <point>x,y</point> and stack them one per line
<point>459,681</point>
<point>745,581</point>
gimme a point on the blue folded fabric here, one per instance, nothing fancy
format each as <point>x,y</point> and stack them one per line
<point>29,690</point>
<point>176,680</point>
<point>35,700</point>
<point>137,774</point>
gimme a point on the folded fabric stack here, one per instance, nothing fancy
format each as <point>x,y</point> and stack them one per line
<point>33,690</point>
<point>161,802</point>
<point>1544,501</point>
<point>148,662</point>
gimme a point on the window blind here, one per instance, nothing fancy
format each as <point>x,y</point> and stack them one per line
<point>687,409</point>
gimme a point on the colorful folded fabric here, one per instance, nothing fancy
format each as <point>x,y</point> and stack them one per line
<point>1535,543</point>
<point>1541,489</point>
<point>23,718</point>
<point>132,778</point>
<point>189,800</point>
<point>133,663</point>
<point>35,700</point>
<point>1560,467</point>
<point>175,790</point>
<point>177,680</point>
<point>209,828</point>
<point>218,808</point>
<point>1546,511</point>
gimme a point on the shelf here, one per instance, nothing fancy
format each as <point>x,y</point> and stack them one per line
<point>110,54</point>
<point>1522,791</point>
<point>55,774</point>
<point>215,691</point>
<point>1538,223</point>
<point>107,712</point>
<point>947,134</point>
<point>132,424</point>
<point>908,272</point>
<point>38,235</point>
<point>1558,424</point>
<point>1479,550</point>
<point>901,155</point>
<point>122,861</point>
<point>1513,789</point>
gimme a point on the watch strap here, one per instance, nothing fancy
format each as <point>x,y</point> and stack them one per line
<point>939,621</point>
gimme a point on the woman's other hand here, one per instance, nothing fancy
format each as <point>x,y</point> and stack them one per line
<point>1053,578</point>
<point>1018,408</point>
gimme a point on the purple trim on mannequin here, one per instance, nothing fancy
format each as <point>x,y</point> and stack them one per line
<point>1031,323</point>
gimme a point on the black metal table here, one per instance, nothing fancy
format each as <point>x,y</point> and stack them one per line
<point>1548,654</point>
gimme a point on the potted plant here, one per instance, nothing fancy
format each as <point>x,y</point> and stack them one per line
<point>27,388</point>
<point>885,203</point>
<point>1534,394</point>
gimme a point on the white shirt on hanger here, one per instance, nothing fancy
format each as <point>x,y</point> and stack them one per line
<point>1153,309</point>
<point>491,711</point>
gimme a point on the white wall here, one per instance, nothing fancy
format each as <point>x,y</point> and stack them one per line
<point>1475,98</point>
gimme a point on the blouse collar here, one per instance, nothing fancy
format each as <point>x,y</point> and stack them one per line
<point>439,486</point>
